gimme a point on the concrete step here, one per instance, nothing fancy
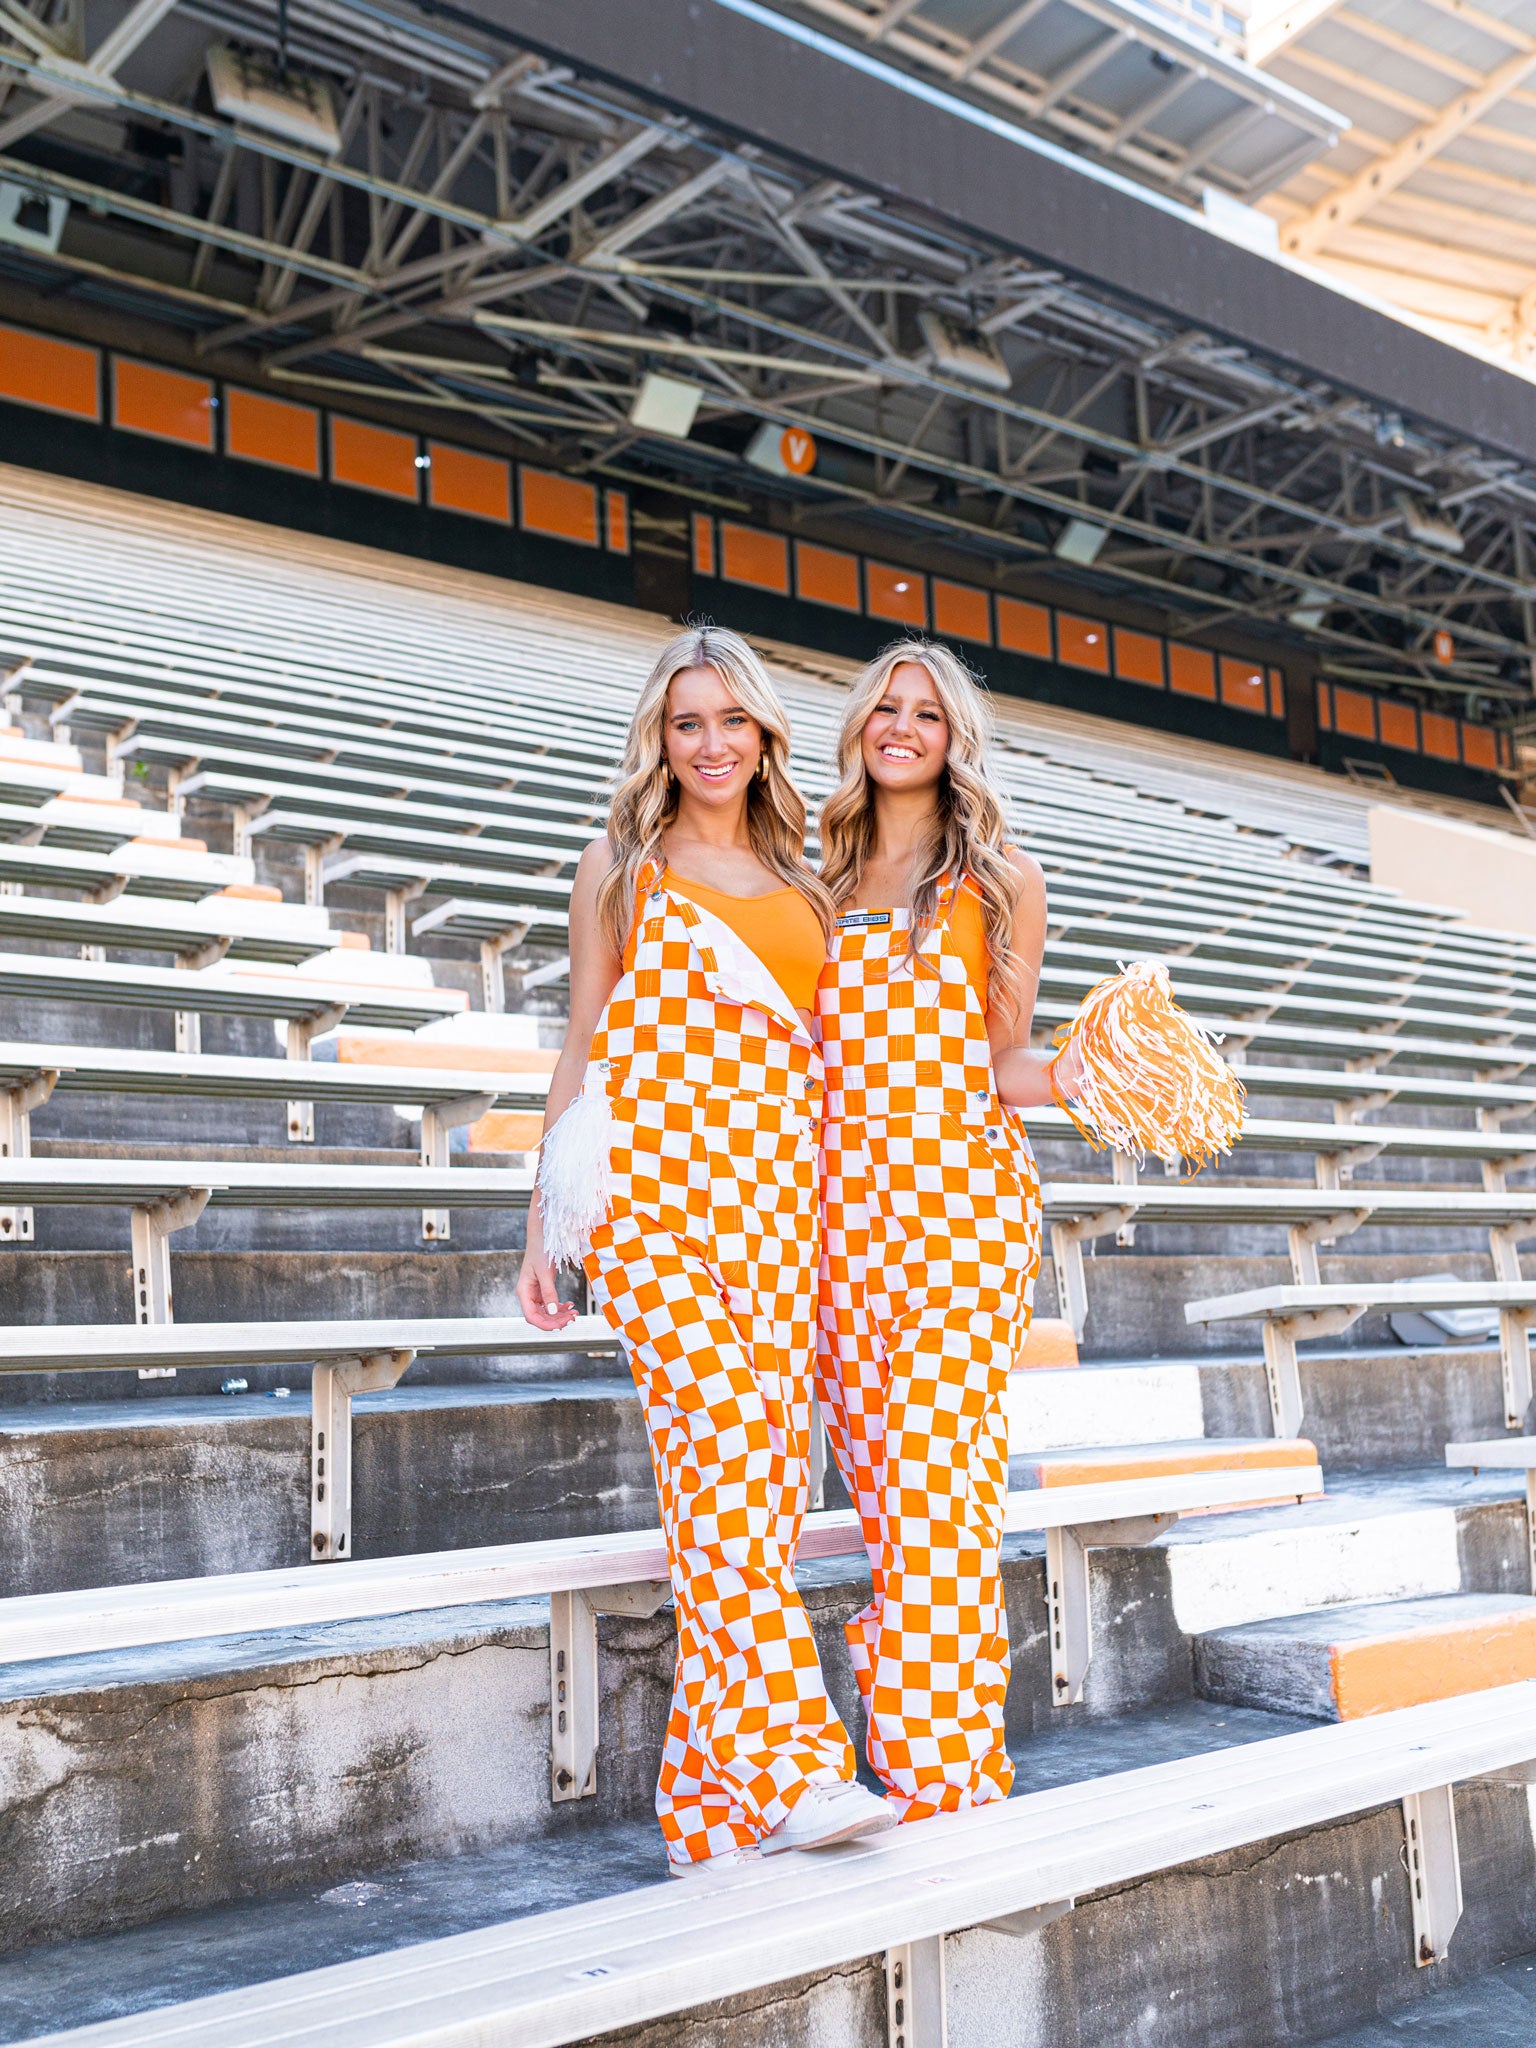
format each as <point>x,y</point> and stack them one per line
<point>109,1478</point>
<point>1495,2009</point>
<point>1273,1946</point>
<point>105,1493</point>
<point>287,1756</point>
<point>1344,1662</point>
<point>457,1278</point>
<point>1385,1406</point>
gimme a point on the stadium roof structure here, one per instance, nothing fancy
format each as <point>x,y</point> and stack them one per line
<point>1429,200</point>
<point>1043,359</point>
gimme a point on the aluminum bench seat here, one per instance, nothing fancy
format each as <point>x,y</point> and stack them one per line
<point>591,1574</point>
<point>345,1358</point>
<point>1078,1212</point>
<point>567,1976</point>
<point>449,1097</point>
<point>259,802</point>
<point>281,934</point>
<point>133,870</point>
<point>293,998</point>
<point>1292,1314</point>
<point>167,1195</point>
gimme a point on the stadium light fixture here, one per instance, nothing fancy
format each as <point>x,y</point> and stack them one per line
<point>31,220</point>
<point>1426,527</point>
<point>964,353</point>
<point>666,405</point>
<point>1080,541</point>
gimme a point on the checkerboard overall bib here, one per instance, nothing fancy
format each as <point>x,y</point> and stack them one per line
<point>931,1245</point>
<point>706,1268</point>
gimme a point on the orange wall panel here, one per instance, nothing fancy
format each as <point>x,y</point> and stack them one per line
<point>1082,643</point>
<point>162,403</point>
<point>1324,707</point>
<point>1026,628</point>
<point>561,506</point>
<point>616,513</point>
<point>1354,713</point>
<point>1439,736</point>
<point>1399,726</point>
<point>896,594</point>
<point>1243,685</point>
<point>271,430</point>
<point>374,458</point>
<point>827,576</point>
<point>59,376</point>
<point>1138,657</point>
<point>961,612</point>
<point>1277,693</point>
<point>1191,671</point>
<point>703,544</point>
<point>747,555</point>
<point>479,485</point>
<point>1479,747</point>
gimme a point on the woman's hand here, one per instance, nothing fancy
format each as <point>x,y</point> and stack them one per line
<point>537,1286</point>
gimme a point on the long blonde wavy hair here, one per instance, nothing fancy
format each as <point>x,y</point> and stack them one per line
<point>969,831</point>
<point>645,802</point>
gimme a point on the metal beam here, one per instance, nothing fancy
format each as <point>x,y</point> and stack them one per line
<point>1272,28</point>
<point>1375,181</point>
<point>117,45</point>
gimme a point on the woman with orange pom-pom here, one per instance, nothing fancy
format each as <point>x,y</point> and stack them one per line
<point>931,1204</point>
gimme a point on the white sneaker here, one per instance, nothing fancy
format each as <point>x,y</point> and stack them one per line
<point>824,1814</point>
<point>725,1864</point>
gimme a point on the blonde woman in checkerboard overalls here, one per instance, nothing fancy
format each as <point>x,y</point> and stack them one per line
<point>682,1148</point>
<point>931,1209</point>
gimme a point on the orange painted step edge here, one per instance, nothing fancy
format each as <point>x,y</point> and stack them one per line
<point>506,1130</point>
<point>413,1052</point>
<point>1385,1672</point>
<point>1146,1462</point>
<point>1049,1346</point>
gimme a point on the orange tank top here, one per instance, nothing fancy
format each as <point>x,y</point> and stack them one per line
<point>780,928</point>
<point>968,930</point>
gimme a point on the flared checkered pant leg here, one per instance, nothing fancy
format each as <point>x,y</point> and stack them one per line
<point>728,1420</point>
<point>850,1371</point>
<point>938,1634</point>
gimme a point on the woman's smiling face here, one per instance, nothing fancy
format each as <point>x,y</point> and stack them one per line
<point>905,742</point>
<point>710,744</point>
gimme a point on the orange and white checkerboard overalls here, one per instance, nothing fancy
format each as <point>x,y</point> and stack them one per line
<point>706,1268</point>
<point>931,1244</point>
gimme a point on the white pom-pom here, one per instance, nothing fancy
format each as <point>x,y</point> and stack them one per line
<point>573,1177</point>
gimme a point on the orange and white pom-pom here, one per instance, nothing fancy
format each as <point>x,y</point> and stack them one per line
<point>1138,1073</point>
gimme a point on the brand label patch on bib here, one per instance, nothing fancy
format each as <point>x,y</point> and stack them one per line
<point>863,920</point>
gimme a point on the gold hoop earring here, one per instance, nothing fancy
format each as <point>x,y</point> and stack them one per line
<point>762,766</point>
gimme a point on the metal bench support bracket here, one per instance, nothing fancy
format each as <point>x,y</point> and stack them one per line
<point>1068,1603</point>
<point>153,1225</point>
<point>914,1995</point>
<point>16,1107</point>
<point>437,1120</point>
<point>302,1033</point>
<point>1434,1870</point>
<point>330,1443</point>
<point>573,1688</point>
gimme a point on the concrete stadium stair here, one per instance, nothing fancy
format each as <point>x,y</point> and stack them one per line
<point>179,1818</point>
<point>1299,1939</point>
<point>1344,1662</point>
<point>156,1780</point>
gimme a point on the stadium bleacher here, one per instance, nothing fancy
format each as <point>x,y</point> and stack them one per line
<point>350,819</point>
